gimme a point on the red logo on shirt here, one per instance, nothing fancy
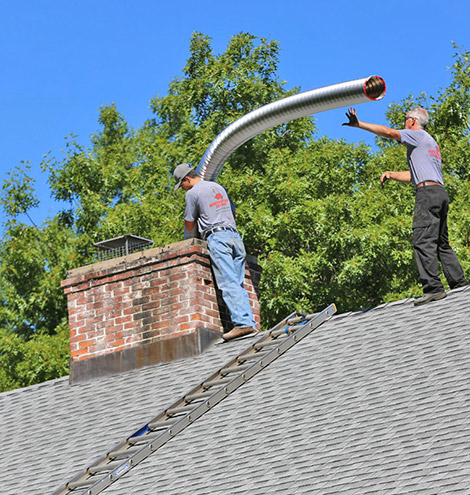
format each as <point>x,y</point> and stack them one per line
<point>220,199</point>
<point>436,153</point>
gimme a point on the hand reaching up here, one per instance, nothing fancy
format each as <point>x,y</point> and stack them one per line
<point>352,116</point>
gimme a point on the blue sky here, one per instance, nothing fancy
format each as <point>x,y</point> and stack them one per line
<point>62,60</point>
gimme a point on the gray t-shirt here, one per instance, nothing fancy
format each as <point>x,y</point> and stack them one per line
<point>424,156</point>
<point>209,204</point>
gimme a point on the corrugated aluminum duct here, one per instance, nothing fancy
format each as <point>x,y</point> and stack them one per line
<point>281,111</point>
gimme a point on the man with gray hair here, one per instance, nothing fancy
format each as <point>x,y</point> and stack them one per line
<point>430,236</point>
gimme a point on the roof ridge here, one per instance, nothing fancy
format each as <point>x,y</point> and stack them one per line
<point>35,386</point>
<point>392,303</point>
<point>335,317</point>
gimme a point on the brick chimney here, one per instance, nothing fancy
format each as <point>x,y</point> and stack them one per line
<point>147,307</point>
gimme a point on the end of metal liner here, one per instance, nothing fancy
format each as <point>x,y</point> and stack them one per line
<point>375,88</point>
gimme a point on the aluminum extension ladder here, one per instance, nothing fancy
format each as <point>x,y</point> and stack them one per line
<point>135,448</point>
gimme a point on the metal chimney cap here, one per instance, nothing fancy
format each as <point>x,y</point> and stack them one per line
<point>117,242</point>
<point>120,246</point>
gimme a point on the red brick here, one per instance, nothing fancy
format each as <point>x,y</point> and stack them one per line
<point>123,319</point>
<point>85,343</point>
<point>76,326</point>
<point>120,348</point>
<point>178,276</point>
<point>169,293</point>
<point>120,291</point>
<point>75,354</point>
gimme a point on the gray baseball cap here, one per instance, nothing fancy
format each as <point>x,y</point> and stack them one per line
<point>180,172</point>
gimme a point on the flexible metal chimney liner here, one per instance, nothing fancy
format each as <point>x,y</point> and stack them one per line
<point>281,111</point>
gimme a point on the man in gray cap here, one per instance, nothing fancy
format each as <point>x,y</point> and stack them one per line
<point>209,208</point>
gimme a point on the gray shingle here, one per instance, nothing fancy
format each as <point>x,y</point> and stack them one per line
<point>372,402</point>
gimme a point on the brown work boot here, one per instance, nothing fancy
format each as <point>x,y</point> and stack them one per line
<point>238,332</point>
<point>430,296</point>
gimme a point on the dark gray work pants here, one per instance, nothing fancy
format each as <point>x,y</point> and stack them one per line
<point>431,241</point>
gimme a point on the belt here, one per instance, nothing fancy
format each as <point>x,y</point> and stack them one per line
<point>217,229</point>
<point>429,183</point>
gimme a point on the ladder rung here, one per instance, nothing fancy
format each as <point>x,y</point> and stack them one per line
<point>179,410</point>
<point>235,369</point>
<point>201,395</point>
<point>143,438</point>
<point>268,343</point>
<point>123,452</point>
<point>212,383</point>
<point>78,484</point>
<point>300,319</point>
<point>252,355</point>
<point>290,330</point>
<point>277,333</point>
<point>104,467</point>
<point>296,319</point>
<point>162,424</point>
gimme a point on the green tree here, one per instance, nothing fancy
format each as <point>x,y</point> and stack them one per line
<point>311,209</point>
<point>41,358</point>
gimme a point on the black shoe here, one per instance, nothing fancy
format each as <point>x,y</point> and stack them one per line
<point>430,296</point>
<point>462,284</point>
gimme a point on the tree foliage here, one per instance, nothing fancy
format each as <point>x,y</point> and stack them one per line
<point>41,358</point>
<point>311,209</point>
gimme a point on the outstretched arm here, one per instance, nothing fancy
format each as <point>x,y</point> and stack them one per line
<point>404,176</point>
<point>379,130</point>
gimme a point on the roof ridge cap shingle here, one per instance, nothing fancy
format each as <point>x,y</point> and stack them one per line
<point>392,303</point>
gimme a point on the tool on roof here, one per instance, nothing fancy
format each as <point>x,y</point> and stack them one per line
<point>146,440</point>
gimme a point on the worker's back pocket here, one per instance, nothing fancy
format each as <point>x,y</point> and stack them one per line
<point>422,216</point>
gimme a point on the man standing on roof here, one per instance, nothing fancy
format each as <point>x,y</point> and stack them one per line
<point>209,207</point>
<point>430,237</point>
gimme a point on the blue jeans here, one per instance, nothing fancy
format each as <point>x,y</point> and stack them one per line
<point>228,254</point>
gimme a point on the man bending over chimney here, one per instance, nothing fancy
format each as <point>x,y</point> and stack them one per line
<point>208,206</point>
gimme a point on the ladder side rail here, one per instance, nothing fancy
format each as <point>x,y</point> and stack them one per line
<point>99,461</point>
<point>214,377</point>
<point>234,361</point>
<point>119,470</point>
<point>212,401</point>
<point>166,435</point>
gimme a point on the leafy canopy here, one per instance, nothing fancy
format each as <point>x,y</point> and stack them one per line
<point>311,209</point>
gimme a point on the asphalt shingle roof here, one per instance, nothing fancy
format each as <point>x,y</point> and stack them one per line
<point>371,402</point>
